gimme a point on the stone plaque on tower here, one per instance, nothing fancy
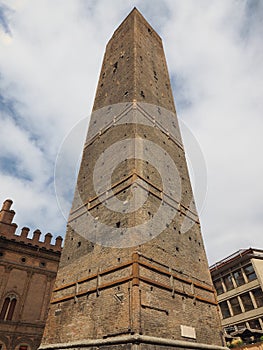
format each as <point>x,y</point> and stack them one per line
<point>133,272</point>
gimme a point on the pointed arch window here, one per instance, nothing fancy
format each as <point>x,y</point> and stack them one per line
<point>8,308</point>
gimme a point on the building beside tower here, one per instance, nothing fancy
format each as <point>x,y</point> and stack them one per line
<point>238,280</point>
<point>133,272</point>
<point>28,269</point>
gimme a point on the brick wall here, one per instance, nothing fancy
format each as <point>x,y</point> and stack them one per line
<point>28,269</point>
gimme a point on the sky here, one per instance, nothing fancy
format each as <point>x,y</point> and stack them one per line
<point>50,58</point>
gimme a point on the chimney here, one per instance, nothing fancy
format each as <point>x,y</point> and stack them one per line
<point>24,233</point>
<point>48,238</point>
<point>7,204</point>
<point>58,243</point>
<point>7,215</point>
<point>36,236</point>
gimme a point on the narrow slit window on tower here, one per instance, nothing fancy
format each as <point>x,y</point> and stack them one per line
<point>142,94</point>
<point>118,224</point>
<point>115,66</point>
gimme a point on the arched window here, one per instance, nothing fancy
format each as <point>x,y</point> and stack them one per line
<point>8,308</point>
<point>24,346</point>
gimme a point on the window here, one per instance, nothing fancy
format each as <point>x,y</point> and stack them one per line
<point>8,308</point>
<point>241,326</point>
<point>219,287</point>
<point>224,309</point>
<point>229,329</point>
<point>250,272</point>
<point>238,276</point>
<point>254,324</point>
<point>235,306</point>
<point>247,302</point>
<point>228,282</point>
<point>258,295</point>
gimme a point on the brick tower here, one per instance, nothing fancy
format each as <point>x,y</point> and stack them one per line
<point>133,272</point>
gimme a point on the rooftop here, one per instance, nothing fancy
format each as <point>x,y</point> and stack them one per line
<point>240,254</point>
<point>8,231</point>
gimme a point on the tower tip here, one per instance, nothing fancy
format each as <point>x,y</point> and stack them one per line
<point>135,11</point>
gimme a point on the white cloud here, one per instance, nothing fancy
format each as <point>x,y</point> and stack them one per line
<point>49,68</point>
<point>223,80</point>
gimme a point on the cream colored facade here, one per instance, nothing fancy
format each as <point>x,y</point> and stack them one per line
<point>238,280</point>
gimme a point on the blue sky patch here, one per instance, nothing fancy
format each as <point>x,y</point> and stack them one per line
<point>4,10</point>
<point>11,166</point>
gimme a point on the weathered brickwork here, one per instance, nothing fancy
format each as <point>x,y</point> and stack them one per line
<point>141,269</point>
<point>134,64</point>
<point>28,270</point>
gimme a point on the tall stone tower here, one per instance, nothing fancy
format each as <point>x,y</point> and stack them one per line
<point>133,272</point>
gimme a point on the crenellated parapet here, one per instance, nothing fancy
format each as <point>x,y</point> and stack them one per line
<point>8,230</point>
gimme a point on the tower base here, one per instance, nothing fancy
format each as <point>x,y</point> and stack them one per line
<point>131,342</point>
